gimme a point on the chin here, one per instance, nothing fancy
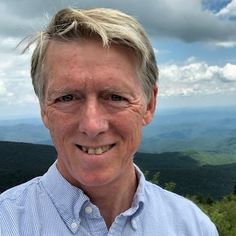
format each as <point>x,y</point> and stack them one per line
<point>95,181</point>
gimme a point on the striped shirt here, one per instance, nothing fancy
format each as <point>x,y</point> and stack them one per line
<point>49,205</point>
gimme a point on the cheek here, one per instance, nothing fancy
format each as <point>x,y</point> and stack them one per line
<point>130,128</point>
<point>60,126</point>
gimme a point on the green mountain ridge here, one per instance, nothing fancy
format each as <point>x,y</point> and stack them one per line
<point>193,172</point>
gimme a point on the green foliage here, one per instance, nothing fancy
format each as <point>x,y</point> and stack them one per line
<point>155,178</point>
<point>222,213</point>
<point>170,186</point>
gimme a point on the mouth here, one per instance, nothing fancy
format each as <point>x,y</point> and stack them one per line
<point>95,151</point>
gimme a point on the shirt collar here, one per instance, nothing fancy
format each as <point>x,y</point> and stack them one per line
<point>69,200</point>
<point>138,200</point>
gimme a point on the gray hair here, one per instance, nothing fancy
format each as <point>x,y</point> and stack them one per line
<point>111,26</point>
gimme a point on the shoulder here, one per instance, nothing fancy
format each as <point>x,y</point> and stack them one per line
<point>178,210</point>
<point>173,203</point>
<point>168,198</point>
<point>20,193</point>
<point>20,207</point>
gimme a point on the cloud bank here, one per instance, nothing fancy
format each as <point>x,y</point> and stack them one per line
<point>197,78</point>
<point>177,20</point>
<point>181,19</point>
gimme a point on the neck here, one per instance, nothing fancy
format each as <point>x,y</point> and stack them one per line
<point>114,199</point>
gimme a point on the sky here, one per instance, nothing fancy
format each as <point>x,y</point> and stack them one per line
<point>194,42</point>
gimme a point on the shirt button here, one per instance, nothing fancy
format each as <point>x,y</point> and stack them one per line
<point>88,210</point>
<point>134,224</point>
<point>74,225</point>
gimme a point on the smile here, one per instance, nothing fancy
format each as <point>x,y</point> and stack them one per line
<point>95,151</point>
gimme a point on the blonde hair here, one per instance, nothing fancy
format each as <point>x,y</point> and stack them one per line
<point>111,26</point>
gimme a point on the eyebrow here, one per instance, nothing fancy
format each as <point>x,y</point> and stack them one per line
<point>114,90</point>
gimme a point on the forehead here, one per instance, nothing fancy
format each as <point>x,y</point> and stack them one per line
<point>88,60</point>
<point>89,56</point>
<point>85,51</point>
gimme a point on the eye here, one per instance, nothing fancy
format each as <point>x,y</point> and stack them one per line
<point>116,98</point>
<point>65,98</point>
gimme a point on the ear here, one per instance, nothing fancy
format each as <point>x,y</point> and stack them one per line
<point>151,107</point>
<point>44,117</point>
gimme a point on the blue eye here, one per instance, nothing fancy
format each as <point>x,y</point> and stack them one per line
<point>66,98</point>
<point>117,98</point>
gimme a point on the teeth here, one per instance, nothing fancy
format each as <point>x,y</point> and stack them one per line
<point>105,148</point>
<point>96,151</point>
<point>91,151</point>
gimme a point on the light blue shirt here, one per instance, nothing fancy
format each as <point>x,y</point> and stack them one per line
<point>51,206</point>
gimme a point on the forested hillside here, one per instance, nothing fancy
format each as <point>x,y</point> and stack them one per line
<point>190,175</point>
<point>20,162</point>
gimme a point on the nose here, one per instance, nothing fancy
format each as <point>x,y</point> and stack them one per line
<point>93,119</point>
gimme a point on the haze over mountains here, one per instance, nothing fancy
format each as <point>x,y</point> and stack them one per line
<point>207,129</point>
<point>204,129</point>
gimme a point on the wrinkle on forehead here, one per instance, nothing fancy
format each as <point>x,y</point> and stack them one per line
<point>76,67</point>
<point>88,47</point>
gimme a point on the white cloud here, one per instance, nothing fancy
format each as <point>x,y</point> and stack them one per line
<point>15,82</point>
<point>8,44</point>
<point>229,72</point>
<point>229,44</point>
<point>3,90</point>
<point>196,78</point>
<point>229,10</point>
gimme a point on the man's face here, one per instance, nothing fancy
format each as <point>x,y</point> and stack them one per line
<point>95,110</point>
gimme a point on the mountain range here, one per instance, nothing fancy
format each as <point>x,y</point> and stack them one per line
<point>211,130</point>
<point>21,162</point>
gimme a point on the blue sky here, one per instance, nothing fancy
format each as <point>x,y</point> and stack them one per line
<point>194,41</point>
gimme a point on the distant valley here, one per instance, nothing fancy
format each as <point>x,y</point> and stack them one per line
<point>25,130</point>
<point>206,130</point>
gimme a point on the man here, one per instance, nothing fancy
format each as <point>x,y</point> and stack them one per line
<point>95,74</point>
